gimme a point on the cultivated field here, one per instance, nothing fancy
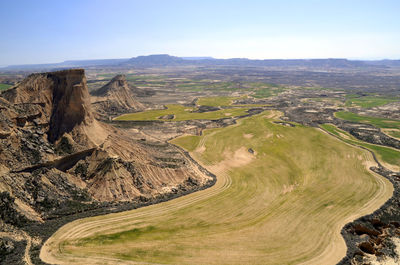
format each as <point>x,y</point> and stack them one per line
<point>389,157</point>
<point>216,101</point>
<point>282,196</point>
<point>182,113</point>
<point>378,122</point>
<point>389,126</point>
<point>368,101</point>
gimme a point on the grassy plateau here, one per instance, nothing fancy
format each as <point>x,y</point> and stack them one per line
<point>282,196</point>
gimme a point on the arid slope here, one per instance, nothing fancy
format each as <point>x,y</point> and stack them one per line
<point>115,97</point>
<point>54,151</point>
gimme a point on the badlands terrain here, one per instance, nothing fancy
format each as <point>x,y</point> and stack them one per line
<point>160,160</point>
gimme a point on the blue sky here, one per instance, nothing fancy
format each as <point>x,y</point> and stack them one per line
<point>43,31</point>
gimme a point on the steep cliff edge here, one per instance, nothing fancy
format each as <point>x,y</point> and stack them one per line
<point>56,159</point>
<point>71,103</point>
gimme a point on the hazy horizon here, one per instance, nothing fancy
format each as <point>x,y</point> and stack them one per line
<point>41,32</point>
<point>127,58</point>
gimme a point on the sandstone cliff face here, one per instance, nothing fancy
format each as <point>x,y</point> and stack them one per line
<point>115,97</point>
<point>56,157</point>
<point>59,99</point>
<point>71,103</point>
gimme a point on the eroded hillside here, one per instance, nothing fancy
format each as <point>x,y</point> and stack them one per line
<point>115,97</point>
<point>57,159</point>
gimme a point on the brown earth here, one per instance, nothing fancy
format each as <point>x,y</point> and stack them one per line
<point>115,97</point>
<point>56,158</point>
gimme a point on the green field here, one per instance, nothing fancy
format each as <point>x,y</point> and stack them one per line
<point>201,85</point>
<point>388,126</point>
<point>393,133</point>
<point>182,113</point>
<point>225,102</point>
<point>4,86</point>
<point>257,89</point>
<point>386,155</point>
<point>377,122</point>
<point>368,101</point>
<point>284,202</point>
<point>216,101</point>
<point>265,90</point>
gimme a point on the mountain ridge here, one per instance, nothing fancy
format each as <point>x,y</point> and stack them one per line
<point>168,60</point>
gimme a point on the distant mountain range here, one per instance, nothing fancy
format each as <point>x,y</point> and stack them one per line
<point>160,60</point>
<point>66,64</point>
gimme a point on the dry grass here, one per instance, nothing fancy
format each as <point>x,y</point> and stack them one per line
<point>284,204</point>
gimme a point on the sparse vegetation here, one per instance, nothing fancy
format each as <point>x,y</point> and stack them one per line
<point>292,193</point>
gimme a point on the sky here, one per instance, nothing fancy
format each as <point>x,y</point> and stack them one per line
<point>44,31</point>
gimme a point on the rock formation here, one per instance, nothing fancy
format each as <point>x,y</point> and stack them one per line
<point>56,158</point>
<point>115,97</point>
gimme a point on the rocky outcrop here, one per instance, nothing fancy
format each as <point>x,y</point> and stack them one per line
<point>58,100</point>
<point>56,158</point>
<point>57,162</point>
<point>373,237</point>
<point>115,97</point>
<point>369,133</point>
<point>70,103</point>
<point>202,109</point>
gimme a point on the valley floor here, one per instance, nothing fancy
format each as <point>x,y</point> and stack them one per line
<point>282,196</point>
